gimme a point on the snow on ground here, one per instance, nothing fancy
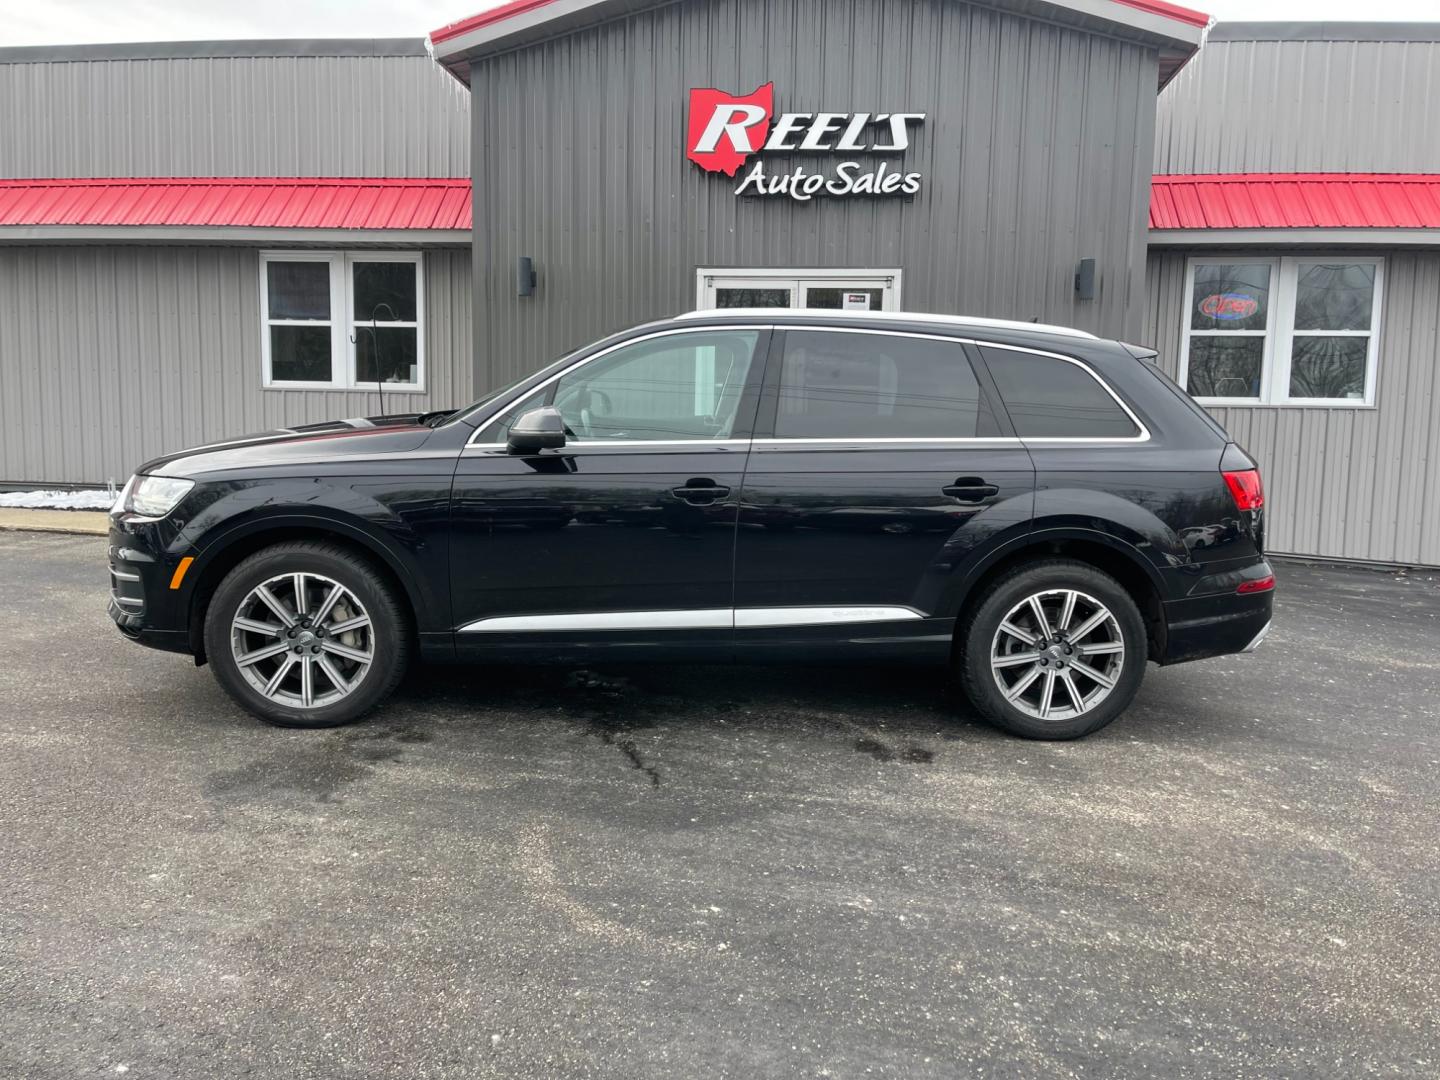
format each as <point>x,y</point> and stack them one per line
<point>56,500</point>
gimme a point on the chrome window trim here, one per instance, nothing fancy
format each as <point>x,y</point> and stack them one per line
<point>898,442</point>
<point>773,442</point>
<point>696,619</point>
<point>625,444</point>
<point>1021,440</point>
<point>667,332</point>
<point>1118,440</point>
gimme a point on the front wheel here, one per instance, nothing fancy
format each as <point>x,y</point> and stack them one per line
<point>1053,650</point>
<point>306,635</point>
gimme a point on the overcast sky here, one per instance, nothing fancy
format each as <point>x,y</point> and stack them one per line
<point>51,22</point>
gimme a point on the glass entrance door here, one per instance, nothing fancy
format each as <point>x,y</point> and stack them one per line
<point>837,290</point>
<point>846,296</point>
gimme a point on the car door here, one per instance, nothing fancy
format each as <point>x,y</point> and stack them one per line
<point>625,536</point>
<point>880,471</point>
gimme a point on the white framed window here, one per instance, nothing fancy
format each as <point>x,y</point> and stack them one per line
<point>827,287</point>
<point>333,320</point>
<point>1282,330</point>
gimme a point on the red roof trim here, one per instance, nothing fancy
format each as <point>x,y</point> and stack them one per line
<point>485,18</point>
<point>280,202</point>
<point>1169,11</point>
<point>1296,201</point>
<point>519,7</point>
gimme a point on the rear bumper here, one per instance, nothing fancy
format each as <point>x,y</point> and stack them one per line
<point>1258,638</point>
<point>1218,623</point>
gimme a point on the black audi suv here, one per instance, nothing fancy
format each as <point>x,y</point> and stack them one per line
<point>1042,510</point>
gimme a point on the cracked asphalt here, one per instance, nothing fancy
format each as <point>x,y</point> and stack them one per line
<point>705,872</point>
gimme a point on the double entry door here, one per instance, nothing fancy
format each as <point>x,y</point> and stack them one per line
<point>734,485</point>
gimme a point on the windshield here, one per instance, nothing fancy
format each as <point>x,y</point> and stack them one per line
<point>468,413</point>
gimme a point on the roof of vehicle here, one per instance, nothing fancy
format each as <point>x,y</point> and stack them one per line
<point>960,322</point>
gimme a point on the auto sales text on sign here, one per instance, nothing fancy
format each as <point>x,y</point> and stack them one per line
<point>724,130</point>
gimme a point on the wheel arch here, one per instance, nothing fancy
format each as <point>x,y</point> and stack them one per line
<point>1107,553</point>
<point>224,553</point>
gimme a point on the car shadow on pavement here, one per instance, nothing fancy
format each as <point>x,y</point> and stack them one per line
<point>889,714</point>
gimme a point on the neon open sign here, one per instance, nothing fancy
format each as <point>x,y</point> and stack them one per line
<point>1229,306</point>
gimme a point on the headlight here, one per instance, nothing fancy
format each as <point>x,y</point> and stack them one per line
<point>155,496</point>
<point>123,499</point>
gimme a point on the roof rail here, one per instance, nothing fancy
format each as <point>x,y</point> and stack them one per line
<point>889,316</point>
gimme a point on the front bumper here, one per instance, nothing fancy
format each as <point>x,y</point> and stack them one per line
<point>142,604</point>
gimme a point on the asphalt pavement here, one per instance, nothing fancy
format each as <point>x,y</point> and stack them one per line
<point>705,872</point>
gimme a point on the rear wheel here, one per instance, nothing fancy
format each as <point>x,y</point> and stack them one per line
<point>1053,650</point>
<point>306,635</point>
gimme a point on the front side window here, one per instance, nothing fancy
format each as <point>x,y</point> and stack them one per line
<point>335,321</point>
<point>673,387</point>
<point>1281,331</point>
<point>837,385</point>
<point>1051,398</point>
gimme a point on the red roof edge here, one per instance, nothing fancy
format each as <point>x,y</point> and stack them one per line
<point>485,18</point>
<point>278,202</point>
<point>1163,8</point>
<point>1221,201</point>
<point>1284,178</point>
<point>1170,11</point>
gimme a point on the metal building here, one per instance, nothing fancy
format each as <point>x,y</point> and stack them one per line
<point>1293,281</point>
<point>205,239</point>
<point>1029,131</point>
<point>131,311</point>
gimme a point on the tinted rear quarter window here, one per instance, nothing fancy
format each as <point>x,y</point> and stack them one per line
<point>1047,397</point>
<point>835,384</point>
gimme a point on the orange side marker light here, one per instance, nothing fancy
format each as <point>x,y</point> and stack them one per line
<point>179,574</point>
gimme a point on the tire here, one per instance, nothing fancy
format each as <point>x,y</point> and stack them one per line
<point>1113,650</point>
<point>359,616</point>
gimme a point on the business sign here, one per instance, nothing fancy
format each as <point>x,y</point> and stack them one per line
<point>725,130</point>
<point>1229,307</point>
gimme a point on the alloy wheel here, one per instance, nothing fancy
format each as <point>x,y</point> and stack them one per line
<point>302,640</point>
<point>1057,654</point>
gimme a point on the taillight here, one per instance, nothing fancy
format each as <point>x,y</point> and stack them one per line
<point>1264,584</point>
<point>1245,488</point>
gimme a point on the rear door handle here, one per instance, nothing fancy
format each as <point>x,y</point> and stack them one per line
<point>969,489</point>
<point>700,492</point>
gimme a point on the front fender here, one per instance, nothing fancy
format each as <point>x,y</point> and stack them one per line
<point>239,510</point>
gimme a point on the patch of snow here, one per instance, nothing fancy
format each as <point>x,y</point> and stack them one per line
<point>56,500</point>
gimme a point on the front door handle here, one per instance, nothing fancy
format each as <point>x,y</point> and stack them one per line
<point>970,489</point>
<point>700,491</point>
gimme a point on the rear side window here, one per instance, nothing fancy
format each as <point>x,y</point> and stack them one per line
<point>1047,397</point>
<point>842,385</point>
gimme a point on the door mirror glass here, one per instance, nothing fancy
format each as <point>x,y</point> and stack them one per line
<point>536,430</point>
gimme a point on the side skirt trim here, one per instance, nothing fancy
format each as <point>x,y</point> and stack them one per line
<point>708,619</point>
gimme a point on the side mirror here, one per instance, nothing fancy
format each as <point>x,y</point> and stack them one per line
<point>536,430</point>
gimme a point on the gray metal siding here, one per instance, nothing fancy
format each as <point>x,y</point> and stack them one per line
<point>233,116</point>
<point>1302,106</point>
<point>1343,483</point>
<point>1036,154</point>
<point>112,355</point>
